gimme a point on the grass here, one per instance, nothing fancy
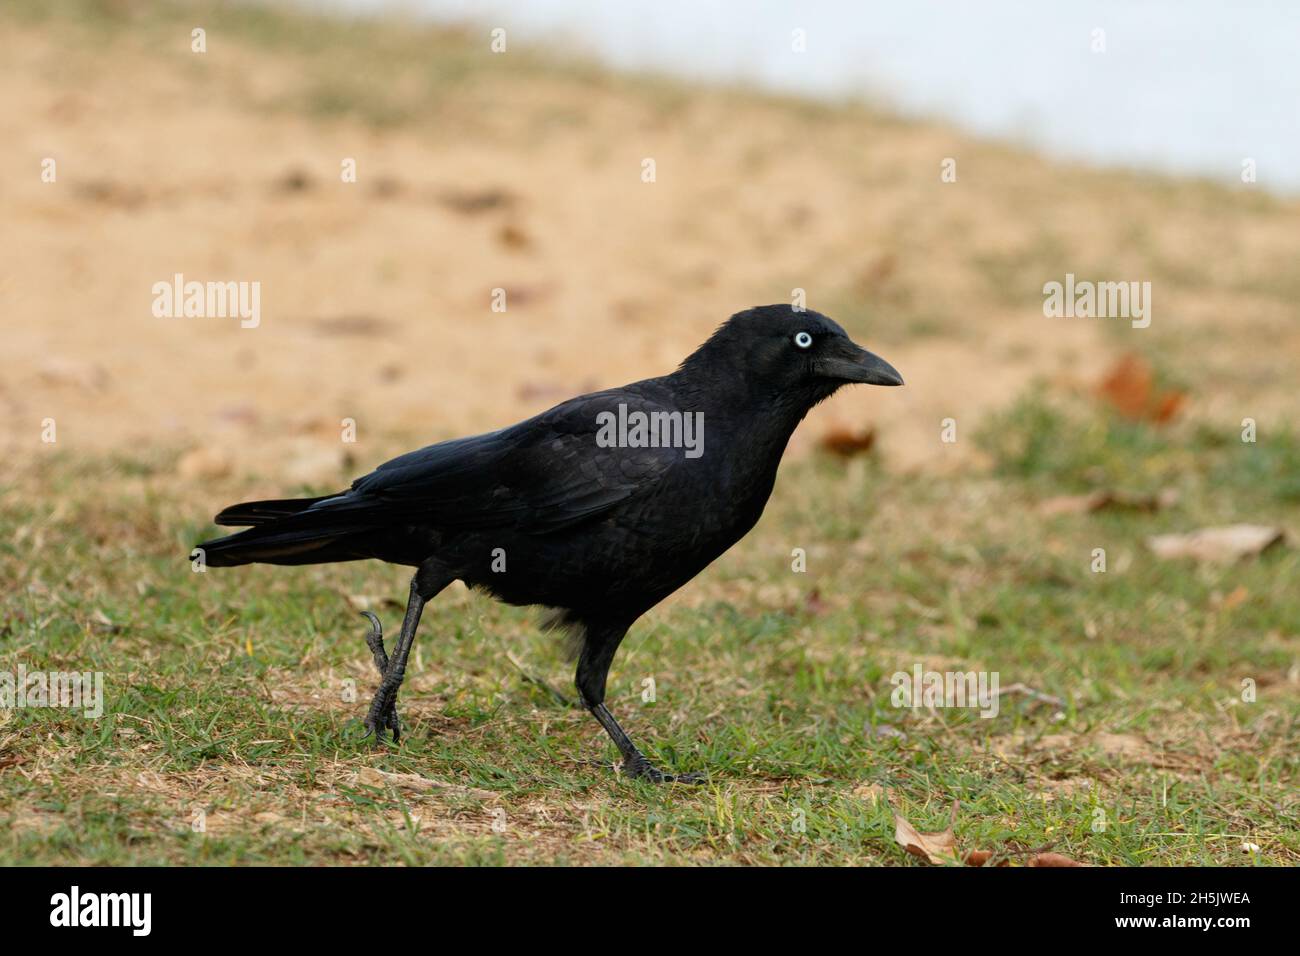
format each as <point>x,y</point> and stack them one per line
<point>232,698</point>
<point>227,693</point>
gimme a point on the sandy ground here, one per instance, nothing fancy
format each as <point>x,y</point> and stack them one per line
<point>376,295</point>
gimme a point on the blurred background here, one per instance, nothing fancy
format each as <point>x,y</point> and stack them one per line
<point>1188,87</point>
<point>793,148</point>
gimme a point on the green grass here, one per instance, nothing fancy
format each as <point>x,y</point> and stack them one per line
<point>225,690</point>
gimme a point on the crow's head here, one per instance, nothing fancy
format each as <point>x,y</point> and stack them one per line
<point>780,350</point>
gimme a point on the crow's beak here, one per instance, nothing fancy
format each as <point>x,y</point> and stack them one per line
<point>856,364</point>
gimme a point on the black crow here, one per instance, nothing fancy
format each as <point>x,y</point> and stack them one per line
<point>598,509</point>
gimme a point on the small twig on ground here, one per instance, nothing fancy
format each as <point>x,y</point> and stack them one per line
<point>1028,691</point>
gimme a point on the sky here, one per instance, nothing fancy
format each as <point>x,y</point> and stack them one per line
<point>1187,86</point>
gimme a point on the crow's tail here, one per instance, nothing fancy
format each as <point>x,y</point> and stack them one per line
<point>284,531</point>
<point>263,512</point>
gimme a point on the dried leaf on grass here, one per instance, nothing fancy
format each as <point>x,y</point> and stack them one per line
<point>938,847</point>
<point>1219,545</point>
<point>982,857</point>
<point>1052,859</point>
<point>941,848</point>
<point>1102,500</point>
<point>1129,387</point>
<point>846,443</point>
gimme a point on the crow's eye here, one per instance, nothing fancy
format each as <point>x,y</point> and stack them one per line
<point>802,339</point>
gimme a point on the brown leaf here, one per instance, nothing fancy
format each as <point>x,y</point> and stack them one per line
<point>1052,859</point>
<point>1222,545</point>
<point>1129,387</point>
<point>981,857</point>
<point>933,847</point>
<point>847,443</point>
<point>1103,499</point>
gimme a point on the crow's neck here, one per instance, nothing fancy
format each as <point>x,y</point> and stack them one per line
<point>760,420</point>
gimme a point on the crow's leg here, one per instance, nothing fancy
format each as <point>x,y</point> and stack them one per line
<point>426,583</point>
<point>375,641</point>
<point>593,671</point>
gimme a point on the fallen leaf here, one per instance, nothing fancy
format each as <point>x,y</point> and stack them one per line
<point>981,857</point>
<point>1105,499</point>
<point>1129,387</point>
<point>1220,545</point>
<point>847,443</point>
<point>1052,859</point>
<point>934,847</point>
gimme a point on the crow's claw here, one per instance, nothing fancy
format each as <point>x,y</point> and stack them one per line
<point>375,641</point>
<point>639,768</point>
<point>383,717</point>
<point>375,726</point>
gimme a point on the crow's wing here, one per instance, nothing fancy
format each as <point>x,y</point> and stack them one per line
<point>542,475</point>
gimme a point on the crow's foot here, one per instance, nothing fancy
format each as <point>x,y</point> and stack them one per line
<point>382,716</point>
<point>639,768</point>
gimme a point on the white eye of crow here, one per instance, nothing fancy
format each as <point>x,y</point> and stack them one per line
<point>802,339</point>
